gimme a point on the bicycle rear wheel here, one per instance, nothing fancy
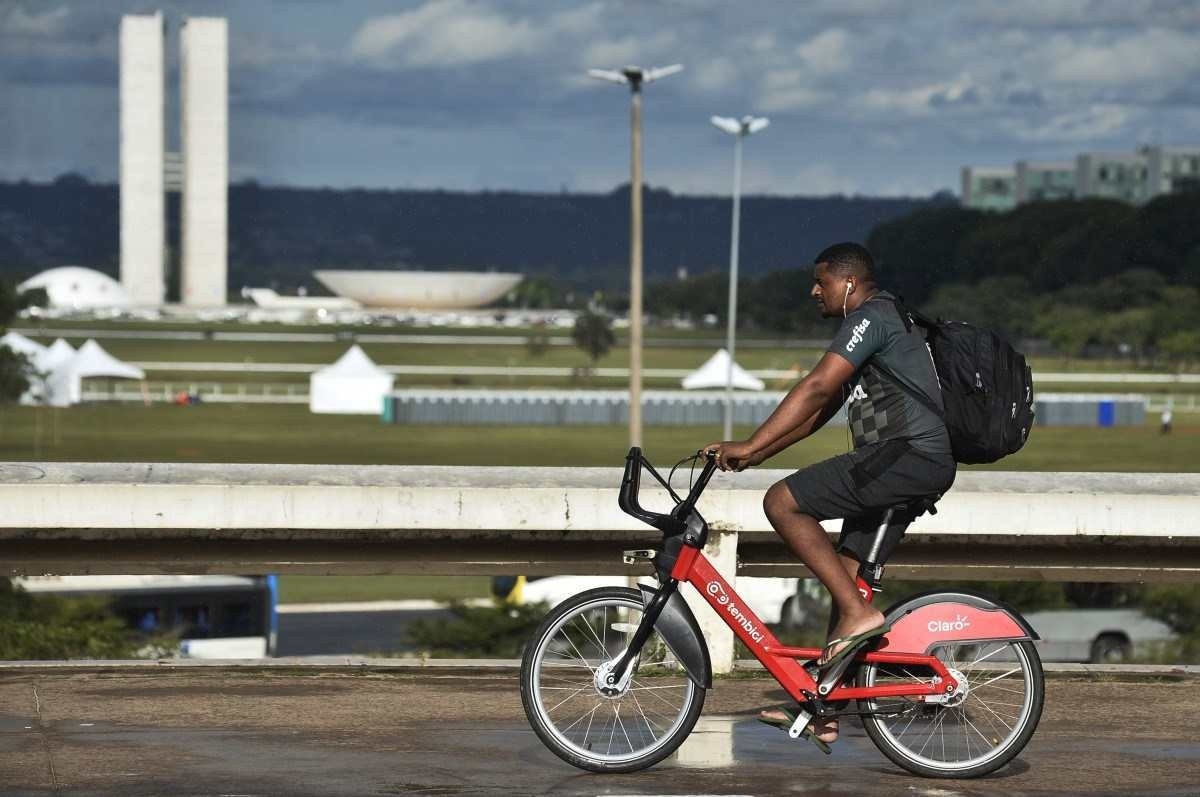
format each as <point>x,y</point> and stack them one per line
<point>982,727</point>
<point>639,724</point>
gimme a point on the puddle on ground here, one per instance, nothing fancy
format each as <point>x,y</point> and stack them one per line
<point>734,741</point>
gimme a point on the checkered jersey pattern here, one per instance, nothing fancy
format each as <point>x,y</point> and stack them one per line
<point>867,412</point>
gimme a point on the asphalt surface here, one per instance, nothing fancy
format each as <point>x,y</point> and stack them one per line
<point>353,633</point>
<point>462,732</point>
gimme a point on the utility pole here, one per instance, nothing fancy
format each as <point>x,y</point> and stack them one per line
<point>740,129</point>
<point>635,77</point>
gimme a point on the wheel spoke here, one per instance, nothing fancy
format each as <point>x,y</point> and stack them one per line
<point>565,699</point>
<point>589,631</point>
<point>588,714</point>
<point>998,677</point>
<point>977,661</point>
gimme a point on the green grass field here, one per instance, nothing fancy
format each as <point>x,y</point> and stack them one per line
<point>778,354</point>
<point>291,434</point>
<point>334,589</point>
<point>779,358</point>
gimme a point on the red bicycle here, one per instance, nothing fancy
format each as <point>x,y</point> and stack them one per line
<point>615,678</point>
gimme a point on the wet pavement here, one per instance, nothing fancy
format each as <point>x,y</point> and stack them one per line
<point>462,732</point>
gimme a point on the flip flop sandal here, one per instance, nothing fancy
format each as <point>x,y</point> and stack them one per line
<point>852,644</point>
<point>833,670</point>
<point>807,733</point>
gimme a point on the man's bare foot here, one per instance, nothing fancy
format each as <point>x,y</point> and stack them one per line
<point>824,729</point>
<point>848,626</point>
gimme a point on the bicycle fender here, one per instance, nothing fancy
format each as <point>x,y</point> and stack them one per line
<point>681,632</point>
<point>924,621</point>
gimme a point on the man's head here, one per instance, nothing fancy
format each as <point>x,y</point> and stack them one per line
<point>843,276</point>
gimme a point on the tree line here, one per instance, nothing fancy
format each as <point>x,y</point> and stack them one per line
<point>279,235</point>
<point>1078,273</point>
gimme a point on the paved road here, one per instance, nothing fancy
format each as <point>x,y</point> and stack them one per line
<point>460,732</point>
<point>357,633</point>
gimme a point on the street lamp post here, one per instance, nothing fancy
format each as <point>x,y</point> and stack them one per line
<point>746,126</point>
<point>635,77</point>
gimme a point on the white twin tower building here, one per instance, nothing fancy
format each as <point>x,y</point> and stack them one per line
<point>200,171</point>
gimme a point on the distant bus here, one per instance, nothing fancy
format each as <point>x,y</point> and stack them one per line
<point>215,617</point>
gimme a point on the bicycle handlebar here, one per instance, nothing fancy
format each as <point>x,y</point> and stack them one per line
<point>674,522</point>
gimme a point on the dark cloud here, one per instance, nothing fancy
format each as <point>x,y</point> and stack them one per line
<point>848,83</point>
<point>946,99</point>
<point>1026,97</point>
<point>68,71</point>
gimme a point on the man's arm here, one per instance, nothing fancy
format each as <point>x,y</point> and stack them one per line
<point>802,411</point>
<point>805,429</point>
<point>796,416</point>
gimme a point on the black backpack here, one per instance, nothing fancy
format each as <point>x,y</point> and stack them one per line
<point>987,388</point>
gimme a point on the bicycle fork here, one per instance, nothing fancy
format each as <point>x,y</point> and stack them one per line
<point>616,676</point>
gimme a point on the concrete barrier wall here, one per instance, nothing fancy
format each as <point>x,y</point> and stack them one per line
<point>171,518</point>
<point>148,518</point>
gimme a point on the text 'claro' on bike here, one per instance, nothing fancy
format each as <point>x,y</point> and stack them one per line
<point>614,679</point>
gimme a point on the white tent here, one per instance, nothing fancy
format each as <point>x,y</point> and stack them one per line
<point>714,373</point>
<point>352,385</point>
<point>22,345</point>
<point>35,353</point>
<point>64,386</point>
<point>58,353</point>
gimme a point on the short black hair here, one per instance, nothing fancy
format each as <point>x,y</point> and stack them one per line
<point>848,259</point>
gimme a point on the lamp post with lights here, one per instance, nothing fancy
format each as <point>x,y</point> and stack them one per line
<point>635,77</point>
<point>739,129</point>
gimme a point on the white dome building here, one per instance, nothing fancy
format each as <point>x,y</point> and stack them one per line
<point>78,288</point>
<point>420,290</point>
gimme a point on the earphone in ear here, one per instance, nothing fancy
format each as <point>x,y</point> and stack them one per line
<point>846,298</point>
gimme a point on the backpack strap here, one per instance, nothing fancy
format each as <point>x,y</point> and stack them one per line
<point>921,397</point>
<point>909,317</point>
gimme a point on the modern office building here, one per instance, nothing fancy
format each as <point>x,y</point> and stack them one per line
<point>1037,181</point>
<point>1173,169</point>
<point>989,188</point>
<point>204,136</point>
<point>1135,177</point>
<point>143,135</point>
<point>1113,175</point>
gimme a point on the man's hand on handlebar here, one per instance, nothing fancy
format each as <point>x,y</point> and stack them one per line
<point>734,455</point>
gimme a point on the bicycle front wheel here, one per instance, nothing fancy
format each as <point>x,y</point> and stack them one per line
<point>625,729</point>
<point>979,729</point>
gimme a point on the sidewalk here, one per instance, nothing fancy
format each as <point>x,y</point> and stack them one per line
<point>321,663</point>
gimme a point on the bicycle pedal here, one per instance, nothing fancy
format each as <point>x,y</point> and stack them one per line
<point>800,723</point>
<point>638,555</point>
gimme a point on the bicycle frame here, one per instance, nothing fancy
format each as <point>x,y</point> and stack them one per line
<point>783,662</point>
<point>912,636</point>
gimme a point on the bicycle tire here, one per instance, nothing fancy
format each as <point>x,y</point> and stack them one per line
<point>994,752</point>
<point>677,721</point>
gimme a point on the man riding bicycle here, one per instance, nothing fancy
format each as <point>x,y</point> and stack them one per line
<point>901,446</point>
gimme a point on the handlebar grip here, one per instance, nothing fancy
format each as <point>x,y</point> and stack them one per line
<point>627,499</point>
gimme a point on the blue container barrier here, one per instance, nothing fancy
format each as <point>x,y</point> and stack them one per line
<point>1106,413</point>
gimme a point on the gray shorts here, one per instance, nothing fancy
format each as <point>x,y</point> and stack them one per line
<point>862,485</point>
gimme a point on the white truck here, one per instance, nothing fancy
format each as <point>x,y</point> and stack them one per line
<point>1099,636</point>
<point>774,600</point>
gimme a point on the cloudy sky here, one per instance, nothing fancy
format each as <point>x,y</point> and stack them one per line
<point>865,96</point>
